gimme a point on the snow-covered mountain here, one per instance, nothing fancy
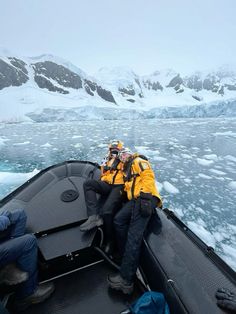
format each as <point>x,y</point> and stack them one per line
<point>48,88</point>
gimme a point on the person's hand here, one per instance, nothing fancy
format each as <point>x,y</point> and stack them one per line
<point>226,299</point>
<point>4,222</point>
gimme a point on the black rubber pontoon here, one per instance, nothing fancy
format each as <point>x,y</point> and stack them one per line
<point>173,260</point>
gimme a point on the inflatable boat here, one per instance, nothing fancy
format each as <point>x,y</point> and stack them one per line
<point>174,260</point>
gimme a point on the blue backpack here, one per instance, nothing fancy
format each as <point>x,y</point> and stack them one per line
<point>150,302</point>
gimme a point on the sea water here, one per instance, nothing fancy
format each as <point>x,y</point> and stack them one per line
<point>194,161</point>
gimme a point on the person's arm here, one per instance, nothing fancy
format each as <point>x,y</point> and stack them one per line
<point>147,176</point>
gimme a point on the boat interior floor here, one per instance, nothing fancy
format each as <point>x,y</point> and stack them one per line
<point>86,291</point>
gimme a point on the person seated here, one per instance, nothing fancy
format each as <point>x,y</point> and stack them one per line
<point>132,219</point>
<point>18,260</point>
<point>110,186</point>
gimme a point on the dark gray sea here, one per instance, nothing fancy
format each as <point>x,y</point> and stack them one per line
<point>194,161</point>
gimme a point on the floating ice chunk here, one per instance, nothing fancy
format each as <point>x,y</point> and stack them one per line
<point>78,145</point>
<point>231,158</point>
<point>221,173</point>
<point>23,143</point>
<point>144,150</point>
<point>186,156</point>
<point>102,145</point>
<point>204,162</point>
<point>16,178</point>
<point>232,185</point>
<point>187,180</point>
<point>2,141</point>
<point>178,212</point>
<point>158,158</point>
<point>200,231</point>
<point>228,133</point>
<point>201,201</point>
<point>170,188</point>
<point>77,136</point>
<point>211,157</point>
<point>46,145</point>
<point>204,176</point>
<point>159,186</point>
<point>230,255</point>
<point>202,211</point>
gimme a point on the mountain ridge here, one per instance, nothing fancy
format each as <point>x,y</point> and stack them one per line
<point>28,85</point>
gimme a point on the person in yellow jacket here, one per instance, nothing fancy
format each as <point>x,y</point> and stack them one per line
<point>109,186</point>
<point>131,221</point>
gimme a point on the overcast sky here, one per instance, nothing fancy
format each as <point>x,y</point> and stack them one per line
<point>145,35</point>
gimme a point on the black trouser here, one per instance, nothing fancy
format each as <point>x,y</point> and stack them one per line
<point>129,227</point>
<point>110,206</point>
<point>112,193</point>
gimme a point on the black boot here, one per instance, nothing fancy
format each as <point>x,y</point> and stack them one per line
<point>41,293</point>
<point>118,283</point>
<point>11,275</point>
<point>92,222</point>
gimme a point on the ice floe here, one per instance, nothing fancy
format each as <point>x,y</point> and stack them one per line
<point>230,158</point>
<point>46,145</point>
<point>211,157</point>
<point>23,143</point>
<point>170,188</point>
<point>204,234</point>
<point>204,176</point>
<point>232,185</point>
<point>10,177</point>
<point>215,171</point>
<point>204,162</point>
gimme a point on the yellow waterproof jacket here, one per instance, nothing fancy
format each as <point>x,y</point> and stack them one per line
<point>112,171</point>
<point>140,178</point>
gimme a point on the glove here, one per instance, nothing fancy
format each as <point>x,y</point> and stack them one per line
<point>146,208</point>
<point>4,222</point>
<point>226,299</point>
